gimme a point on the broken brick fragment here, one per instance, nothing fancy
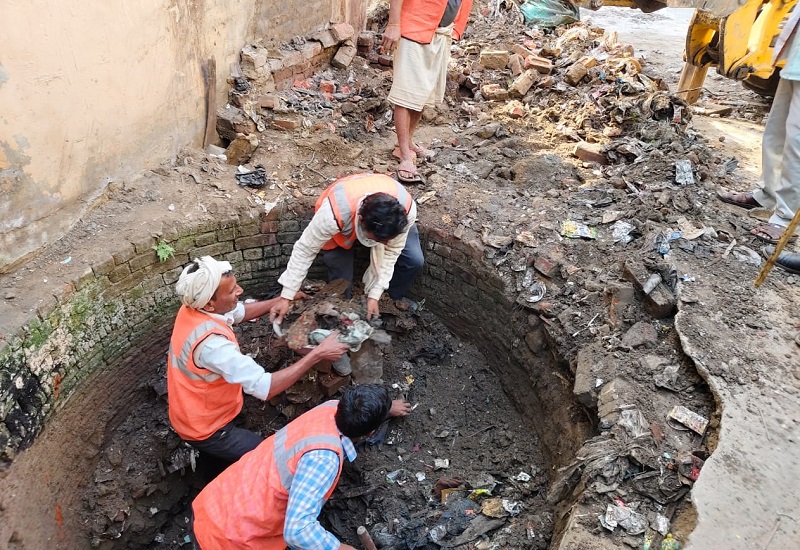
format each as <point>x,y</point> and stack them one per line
<point>494,92</point>
<point>540,64</point>
<point>342,31</point>
<point>575,74</point>
<point>546,266</point>
<point>494,59</point>
<point>523,83</point>
<point>327,86</point>
<point>344,56</point>
<point>590,152</point>
<point>331,383</point>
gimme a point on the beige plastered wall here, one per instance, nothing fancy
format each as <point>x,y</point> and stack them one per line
<point>94,92</point>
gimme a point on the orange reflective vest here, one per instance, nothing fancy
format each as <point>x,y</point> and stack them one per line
<point>419,19</point>
<point>245,506</point>
<point>200,401</point>
<point>344,195</point>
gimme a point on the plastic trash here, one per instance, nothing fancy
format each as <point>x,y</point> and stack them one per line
<point>669,543</point>
<point>688,418</point>
<point>255,178</point>
<point>549,13</point>
<point>621,231</point>
<point>632,522</point>
<point>576,230</point>
<point>683,172</point>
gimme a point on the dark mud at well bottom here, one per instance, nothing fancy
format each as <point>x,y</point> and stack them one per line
<point>464,436</point>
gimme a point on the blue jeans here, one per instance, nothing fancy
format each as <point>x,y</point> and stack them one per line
<point>340,265</point>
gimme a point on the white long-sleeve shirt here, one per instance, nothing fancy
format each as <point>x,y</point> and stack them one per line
<point>219,355</point>
<point>322,229</point>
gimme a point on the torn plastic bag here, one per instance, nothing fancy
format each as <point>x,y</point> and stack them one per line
<point>549,13</point>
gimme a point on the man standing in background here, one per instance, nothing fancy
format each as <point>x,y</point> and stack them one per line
<point>422,32</point>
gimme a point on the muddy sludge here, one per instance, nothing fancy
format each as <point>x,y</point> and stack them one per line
<point>464,435</point>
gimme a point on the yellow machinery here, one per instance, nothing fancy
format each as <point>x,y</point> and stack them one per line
<point>735,36</point>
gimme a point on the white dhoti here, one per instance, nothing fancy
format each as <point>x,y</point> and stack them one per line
<point>420,71</point>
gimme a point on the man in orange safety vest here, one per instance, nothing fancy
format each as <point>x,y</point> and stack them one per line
<point>272,497</point>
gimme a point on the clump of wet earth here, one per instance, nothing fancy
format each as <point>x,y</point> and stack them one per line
<point>463,448</point>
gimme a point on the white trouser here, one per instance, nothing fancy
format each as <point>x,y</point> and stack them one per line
<point>780,155</point>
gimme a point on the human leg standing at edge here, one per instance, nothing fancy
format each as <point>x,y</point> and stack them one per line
<point>780,147</point>
<point>420,33</point>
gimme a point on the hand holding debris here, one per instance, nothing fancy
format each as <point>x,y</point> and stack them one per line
<point>330,349</point>
<point>372,309</point>
<point>279,310</point>
<point>400,407</point>
<point>391,36</point>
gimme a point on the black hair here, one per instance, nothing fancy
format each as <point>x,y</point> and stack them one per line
<point>383,216</point>
<point>362,409</point>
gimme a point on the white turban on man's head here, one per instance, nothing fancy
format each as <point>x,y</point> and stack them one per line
<point>197,288</point>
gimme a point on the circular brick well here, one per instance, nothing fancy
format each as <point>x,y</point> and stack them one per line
<point>74,374</point>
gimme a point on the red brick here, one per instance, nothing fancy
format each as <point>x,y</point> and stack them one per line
<point>342,31</point>
<point>590,152</point>
<point>544,66</point>
<point>515,63</point>
<point>331,383</point>
<point>285,123</point>
<point>523,83</point>
<point>344,56</point>
<point>326,38</point>
<point>327,86</point>
<point>545,266</point>
<point>494,92</point>
<point>494,59</point>
<point>519,49</point>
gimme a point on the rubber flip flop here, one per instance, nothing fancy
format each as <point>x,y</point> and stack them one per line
<point>409,177</point>
<point>770,233</point>
<point>788,261</point>
<point>742,200</point>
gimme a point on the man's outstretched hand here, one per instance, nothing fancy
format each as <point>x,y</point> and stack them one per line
<point>400,407</point>
<point>330,349</point>
<point>279,310</point>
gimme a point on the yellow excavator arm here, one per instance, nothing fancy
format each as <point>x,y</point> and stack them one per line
<point>735,38</point>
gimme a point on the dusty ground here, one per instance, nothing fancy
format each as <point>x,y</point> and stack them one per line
<point>496,177</point>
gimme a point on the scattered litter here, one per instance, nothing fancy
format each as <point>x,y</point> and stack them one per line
<point>634,423</point>
<point>66,260</point>
<point>651,283</point>
<point>621,231</point>
<point>425,197</point>
<point>661,524</point>
<point>747,255</point>
<point>575,230</point>
<point>495,241</point>
<point>686,278</point>
<point>632,522</point>
<point>689,230</point>
<point>683,172</point>
<point>513,507</point>
<point>549,13</point>
<point>523,477</point>
<point>420,476</point>
<point>535,292</point>
<point>688,418</point>
<point>493,508</point>
<point>669,543</point>
<point>441,463</point>
<point>664,238</point>
<point>668,379</point>
<point>256,178</point>
<point>171,208</point>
